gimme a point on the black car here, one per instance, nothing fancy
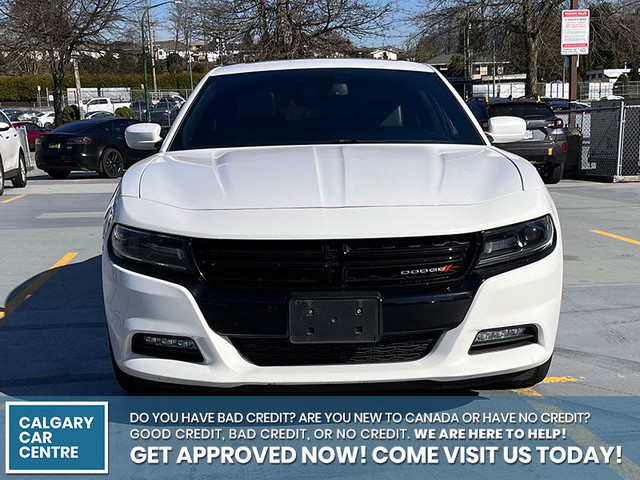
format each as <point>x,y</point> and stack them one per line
<point>564,104</point>
<point>96,145</point>
<point>139,109</point>
<point>544,144</point>
<point>164,113</point>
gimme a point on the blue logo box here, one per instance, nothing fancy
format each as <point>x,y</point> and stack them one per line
<point>57,437</point>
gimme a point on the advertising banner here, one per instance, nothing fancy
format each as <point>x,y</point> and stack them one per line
<point>325,437</point>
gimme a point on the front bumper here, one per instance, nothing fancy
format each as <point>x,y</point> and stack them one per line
<point>137,303</point>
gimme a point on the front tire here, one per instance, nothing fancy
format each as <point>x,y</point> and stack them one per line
<point>20,180</point>
<point>111,163</point>
<point>58,174</point>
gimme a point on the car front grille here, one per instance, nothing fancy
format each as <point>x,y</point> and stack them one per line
<point>335,264</point>
<point>275,352</point>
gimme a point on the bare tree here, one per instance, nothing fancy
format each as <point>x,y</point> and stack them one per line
<point>52,30</point>
<point>277,29</point>
<point>491,21</point>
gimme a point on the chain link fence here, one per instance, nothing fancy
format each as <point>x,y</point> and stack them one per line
<point>609,147</point>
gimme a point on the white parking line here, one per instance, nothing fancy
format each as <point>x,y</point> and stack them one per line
<point>44,216</point>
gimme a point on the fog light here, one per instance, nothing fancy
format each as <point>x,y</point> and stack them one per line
<point>170,342</point>
<point>163,346</point>
<point>505,337</point>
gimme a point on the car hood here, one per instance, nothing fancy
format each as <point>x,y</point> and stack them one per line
<point>329,176</point>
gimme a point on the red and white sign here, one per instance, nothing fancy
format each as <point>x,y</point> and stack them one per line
<point>574,39</point>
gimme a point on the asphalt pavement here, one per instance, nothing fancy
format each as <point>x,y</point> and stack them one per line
<point>52,326</point>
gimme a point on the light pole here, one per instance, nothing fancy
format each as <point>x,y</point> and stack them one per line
<point>144,57</point>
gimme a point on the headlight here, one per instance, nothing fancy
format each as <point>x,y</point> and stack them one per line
<point>154,249</point>
<point>517,242</point>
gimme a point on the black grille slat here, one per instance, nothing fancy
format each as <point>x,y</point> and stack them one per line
<point>272,352</point>
<point>333,263</point>
<point>370,248</point>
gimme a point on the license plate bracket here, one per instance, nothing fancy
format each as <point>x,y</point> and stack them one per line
<point>335,317</point>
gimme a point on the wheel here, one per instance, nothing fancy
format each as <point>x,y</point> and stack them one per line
<point>20,180</point>
<point>527,379</point>
<point>111,163</point>
<point>555,175</point>
<point>1,178</point>
<point>48,125</point>
<point>58,174</point>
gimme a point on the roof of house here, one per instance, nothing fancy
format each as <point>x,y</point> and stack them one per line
<point>445,59</point>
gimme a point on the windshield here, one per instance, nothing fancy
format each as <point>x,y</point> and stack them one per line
<point>328,105</point>
<point>523,110</point>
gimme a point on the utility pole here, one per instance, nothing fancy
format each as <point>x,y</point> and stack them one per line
<point>494,68</point>
<point>76,74</point>
<point>573,69</point>
<point>189,58</point>
<point>153,53</point>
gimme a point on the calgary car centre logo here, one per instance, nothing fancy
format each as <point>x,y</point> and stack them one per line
<point>421,271</point>
<point>56,437</point>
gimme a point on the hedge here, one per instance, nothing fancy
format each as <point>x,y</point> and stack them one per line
<point>25,88</point>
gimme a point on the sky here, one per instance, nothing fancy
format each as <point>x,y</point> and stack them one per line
<point>395,36</point>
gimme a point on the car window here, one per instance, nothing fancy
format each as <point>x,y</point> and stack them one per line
<point>102,127</point>
<point>3,118</point>
<point>119,126</point>
<point>522,110</point>
<point>329,105</point>
<point>74,127</point>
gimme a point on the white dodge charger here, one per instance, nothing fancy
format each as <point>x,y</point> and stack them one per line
<point>330,221</point>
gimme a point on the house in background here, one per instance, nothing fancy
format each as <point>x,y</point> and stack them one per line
<point>479,66</point>
<point>386,53</point>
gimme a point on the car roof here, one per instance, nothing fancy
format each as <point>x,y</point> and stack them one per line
<point>515,101</point>
<point>320,63</point>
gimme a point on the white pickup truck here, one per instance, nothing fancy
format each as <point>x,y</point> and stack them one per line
<point>104,104</point>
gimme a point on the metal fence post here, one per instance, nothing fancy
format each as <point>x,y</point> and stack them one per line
<point>620,138</point>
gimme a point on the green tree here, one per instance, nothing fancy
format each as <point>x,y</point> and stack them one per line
<point>174,63</point>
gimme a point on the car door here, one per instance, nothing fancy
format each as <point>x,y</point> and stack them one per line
<point>9,145</point>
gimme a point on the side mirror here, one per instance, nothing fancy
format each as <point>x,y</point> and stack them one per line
<point>143,136</point>
<point>4,126</point>
<point>506,129</point>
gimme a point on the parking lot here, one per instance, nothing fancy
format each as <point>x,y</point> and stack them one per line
<point>53,331</point>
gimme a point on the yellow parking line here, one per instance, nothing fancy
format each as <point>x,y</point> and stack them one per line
<point>617,237</point>
<point>527,392</point>
<point>14,198</point>
<point>30,289</point>
<point>560,379</point>
<point>530,392</point>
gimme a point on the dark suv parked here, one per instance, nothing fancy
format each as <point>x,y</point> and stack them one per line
<point>544,145</point>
